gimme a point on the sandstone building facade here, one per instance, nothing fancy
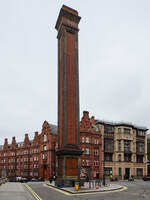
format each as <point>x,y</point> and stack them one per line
<point>124,149</point>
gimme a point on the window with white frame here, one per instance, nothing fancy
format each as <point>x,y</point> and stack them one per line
<point>96,152</point>
<point>83,162</point>
<point>87,140</point>
<point>35,158</point>
<point>82,139</point>
<point>26,152</point>
<point>44,156</point>
<point>87,151</point>
<point>25,159</point>
<point>45,148</point>
<point>96,163</point>
<point>96,141</point>
<point>87,162</point>
<point>45,137</point>
<point>35,166</point>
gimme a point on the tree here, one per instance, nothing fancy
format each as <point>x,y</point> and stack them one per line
<point>148,147</point>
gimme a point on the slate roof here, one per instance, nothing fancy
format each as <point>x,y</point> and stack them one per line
<point>53,128</point>
<point>121,124</point>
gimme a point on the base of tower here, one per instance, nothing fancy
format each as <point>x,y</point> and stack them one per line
<point>65,182</point>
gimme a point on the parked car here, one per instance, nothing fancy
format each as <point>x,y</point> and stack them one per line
<point>34,179</point>
<point>40,179</point>
<point>146,178</point>
<point>18,178</point>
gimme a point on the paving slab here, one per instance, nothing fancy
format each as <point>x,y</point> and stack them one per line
<point>14,191</point>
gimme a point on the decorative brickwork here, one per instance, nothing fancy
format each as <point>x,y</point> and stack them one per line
<point>68,152</point>
<point>37,158</point>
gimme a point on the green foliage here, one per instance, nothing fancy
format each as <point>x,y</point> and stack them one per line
<point>148,148</point>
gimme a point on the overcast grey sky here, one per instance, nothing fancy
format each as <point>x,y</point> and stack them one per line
<point>114,41</point>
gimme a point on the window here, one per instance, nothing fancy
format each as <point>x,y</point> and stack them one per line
<point>139,158</point>
<point>83,163</point>
<point>25,166</point>
<point>35,158</point>
<point>119,130</point>
<point>83,150</point>
<point>35,166</point>
<point>119,145</point>
<point>96,174</point>
<point>108,129</point>
<point>35,150</point>
<point>44,156</point>
<point>96,152</point>
<point>119,157</point>
<point>96,141</point>
<point>109,144</point>
<point>139,172</point>
<point>45,148</point>
<point>45,137</point>
<point>127,130</point>
<point>87,151</point>
<point>108,171</point>
<point>25,159</point>
<point>25,152</point>
<point>87,140</point>
<point>82,139</point>
<point>87,162</point>
<point>120,171</point>
<point>127,145</point>
<point>96,163</point>
<point>140,147</point>
<point>108,156</point>
<point>35,173</point>
<point>140,133</point>
<point>127,157</point>
<point>12,153</point>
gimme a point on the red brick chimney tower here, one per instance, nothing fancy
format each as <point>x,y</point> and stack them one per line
<point>68,96</point>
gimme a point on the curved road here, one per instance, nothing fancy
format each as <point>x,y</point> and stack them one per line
<point>137,190</point>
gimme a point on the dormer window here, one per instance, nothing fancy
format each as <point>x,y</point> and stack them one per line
<point>45,137</point>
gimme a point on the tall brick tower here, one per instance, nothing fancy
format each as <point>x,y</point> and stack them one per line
<point>69,152</point>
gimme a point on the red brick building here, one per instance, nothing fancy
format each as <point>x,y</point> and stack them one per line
<point>37,157</point>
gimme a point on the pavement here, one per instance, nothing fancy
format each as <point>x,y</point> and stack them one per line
<point>14,191</point>
<point>88,188</point>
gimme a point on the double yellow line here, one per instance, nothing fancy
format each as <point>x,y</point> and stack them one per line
<point>32,192</point>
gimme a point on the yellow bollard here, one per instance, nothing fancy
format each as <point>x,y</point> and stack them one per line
<point>76,187</point>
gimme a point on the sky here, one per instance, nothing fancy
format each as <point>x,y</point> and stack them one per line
<point>114,41</point>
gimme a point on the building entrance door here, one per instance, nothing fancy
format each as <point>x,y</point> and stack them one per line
<point>127,173</point>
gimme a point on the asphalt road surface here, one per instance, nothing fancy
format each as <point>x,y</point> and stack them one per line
<point>137,190</point>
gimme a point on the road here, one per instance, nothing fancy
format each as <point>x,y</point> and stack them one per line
<point>137,190</point>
